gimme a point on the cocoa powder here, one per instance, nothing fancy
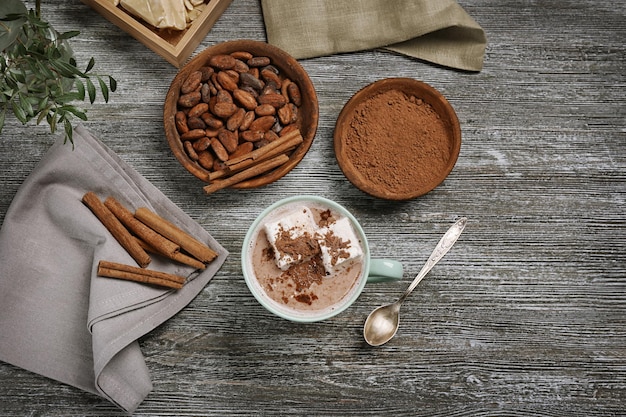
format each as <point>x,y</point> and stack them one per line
<point>397,142</point>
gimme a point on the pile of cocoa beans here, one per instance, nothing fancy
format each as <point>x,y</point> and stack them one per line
<point>232,105</point>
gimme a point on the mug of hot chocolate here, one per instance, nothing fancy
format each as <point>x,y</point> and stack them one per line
<point>307,259</point>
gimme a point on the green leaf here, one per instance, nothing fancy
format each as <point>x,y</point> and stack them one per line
<point>81,89</point>
<point>90,65</point>
<point>66,70</point>
<point>26,106</point>
<point>104,89</point>
<point>52,120</point>
<point>67,97</point>
<point>68,131</point>
<point>3,114</point>
<point>91,90</point>
<point>43,113</point>
<point>45,70</point>
<point>76,112</point>
<point>112,83</point>
<point>19,112</point>
<point>69,34</point>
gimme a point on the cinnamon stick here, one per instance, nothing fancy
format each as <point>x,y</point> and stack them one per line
<point>145,233</point>
<point>176,256</point>
<point>264,149</point>
<point>187,242</point>
<point>132,273</point>
<point>253,171</point>
<point>279,146</point>
<point>116,228</point>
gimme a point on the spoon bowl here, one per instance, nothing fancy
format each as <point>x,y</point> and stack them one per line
<point>382,323</point>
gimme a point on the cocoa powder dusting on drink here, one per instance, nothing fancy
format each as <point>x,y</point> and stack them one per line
<point>397,141</point>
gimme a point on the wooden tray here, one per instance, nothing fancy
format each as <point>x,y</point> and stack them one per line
<point>174,46</point>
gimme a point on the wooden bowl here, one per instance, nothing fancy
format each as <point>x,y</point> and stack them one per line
<point>308,113</point>
<point>397,139</point>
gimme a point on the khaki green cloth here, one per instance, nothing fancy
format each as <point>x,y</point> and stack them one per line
<point>438,31</point>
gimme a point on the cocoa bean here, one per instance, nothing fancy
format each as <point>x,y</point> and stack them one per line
<point>222,61</point>
<point>211,133</point>
<point>287,129</point>
<point>252,135</point>
<point>263,124</point>
<point>224,96</point>
<point>247,120</point>
<point>198,109</point>
<point>294,94</point>
<point>206,160</point>
<point>191,83</point>
<point>202,144</point>
<point>226,81</point>
<point>196,123</point>
<point>242,149</point>
<point>270,136</point>
<point>207,72</point>
<point>235,120</point>
<point>228,139</point>
<point>242,55</point>
<point>224,110</point>
<point>193,134</point>
<point>294,112</point>
<point>270,76</point>
<point>248,79</point>
<point>241,67</point>
<point>285,115</point>
<point>205,93</point>
<point>219,149</point>
<point>180,118</point>
<point>245,99</point>
<point>265,110</point>
<point>258,61</point>
<point>212,121</point>
<point>191,152</point>
<point>189,99</point>
<point>273,99</point>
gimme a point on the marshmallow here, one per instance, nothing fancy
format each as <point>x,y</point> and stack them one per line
<point>339,245</point>
<point>298,223</point>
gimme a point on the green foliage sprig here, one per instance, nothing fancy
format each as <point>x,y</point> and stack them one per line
<point>39,77</point>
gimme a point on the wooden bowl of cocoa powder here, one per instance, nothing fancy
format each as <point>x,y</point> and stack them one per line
<point>397,139</point>
<point>269,69</point>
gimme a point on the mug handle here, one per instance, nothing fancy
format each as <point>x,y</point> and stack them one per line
<point>384,270</point>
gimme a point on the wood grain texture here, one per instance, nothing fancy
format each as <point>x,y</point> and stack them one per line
<point>525,316</point>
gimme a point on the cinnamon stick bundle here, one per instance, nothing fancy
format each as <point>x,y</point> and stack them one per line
<point>272,149</point>
<point>176,256</point>
<point>253,171</point>
<point>187,242</point>
<point>160,244</point>
<point>132,273</point>
<point>116,228</point>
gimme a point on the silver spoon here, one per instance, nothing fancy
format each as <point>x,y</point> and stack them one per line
<point>382,323</point>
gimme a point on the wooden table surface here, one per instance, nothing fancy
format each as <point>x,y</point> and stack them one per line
<point>525,316</point>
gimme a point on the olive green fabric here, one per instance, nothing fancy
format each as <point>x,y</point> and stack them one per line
<point>438,31</point>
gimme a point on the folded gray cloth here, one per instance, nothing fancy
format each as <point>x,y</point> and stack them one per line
<point>57,318</point>
<point>438,31</point>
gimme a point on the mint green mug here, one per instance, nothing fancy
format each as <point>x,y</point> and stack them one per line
<point>332,297</point>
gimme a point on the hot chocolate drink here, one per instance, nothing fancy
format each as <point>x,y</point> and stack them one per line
<point>306,258</point>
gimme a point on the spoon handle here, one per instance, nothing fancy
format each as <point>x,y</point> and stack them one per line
<point>444,245</point>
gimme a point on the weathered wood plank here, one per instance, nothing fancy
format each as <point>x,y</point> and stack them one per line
<point>525,316</point>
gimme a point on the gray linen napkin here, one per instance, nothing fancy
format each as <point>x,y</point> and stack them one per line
<point>438,31</point>
<point>57,318</point>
